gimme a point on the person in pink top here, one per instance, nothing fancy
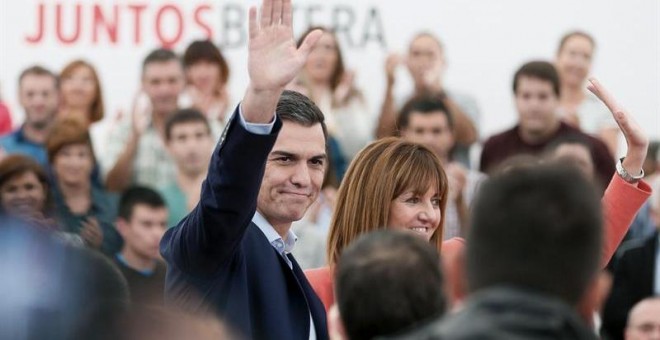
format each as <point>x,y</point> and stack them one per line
<point>395,184</point>
<point>5,119</point>
<point>391,183</point>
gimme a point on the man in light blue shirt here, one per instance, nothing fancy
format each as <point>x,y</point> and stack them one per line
<point>39,95</point>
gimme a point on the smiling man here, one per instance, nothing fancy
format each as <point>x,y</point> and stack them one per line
<point>536,89</point>
<point>232,253</point>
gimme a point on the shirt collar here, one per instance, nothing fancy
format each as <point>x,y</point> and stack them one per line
<point>20,135</point>
<point>282,246</point>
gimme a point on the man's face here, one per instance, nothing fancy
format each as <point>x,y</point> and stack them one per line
<point>424,55</point>
<point>39,97</point>
<point>142,233</point>
<point>163,82</point>
<point>190,145</point>
<point>294,173</point>
<point>644,321</point>
<point>431,129</point>
<point>537,104</point>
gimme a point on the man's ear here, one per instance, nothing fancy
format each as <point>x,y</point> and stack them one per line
<point>335,324</point>
<point>122,227</point>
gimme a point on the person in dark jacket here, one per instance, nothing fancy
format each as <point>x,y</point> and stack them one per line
<point>232,253</point>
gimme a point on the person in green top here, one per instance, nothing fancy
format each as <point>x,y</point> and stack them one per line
<point>82,206</point>
<point>190,143</point>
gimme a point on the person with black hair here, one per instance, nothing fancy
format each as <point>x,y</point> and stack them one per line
<point>374,283</point>
<point>189,141</point>
<point>536,88</point>
<point>141,222</point>
<point>572,150</point>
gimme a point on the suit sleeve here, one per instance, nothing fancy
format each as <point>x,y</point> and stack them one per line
<point>621,299</point>
<point>211,233</point>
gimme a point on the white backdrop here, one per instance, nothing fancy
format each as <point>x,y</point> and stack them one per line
<point>486,41</point>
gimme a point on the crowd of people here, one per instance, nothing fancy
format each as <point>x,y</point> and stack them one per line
<point>296,215</point>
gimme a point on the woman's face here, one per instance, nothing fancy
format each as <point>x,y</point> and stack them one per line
<point>23,195</point>
<point>79,88</point>
<point>322,61</point>
<point>574,60</point>
<point>73,164</point>
<point>418,213</point>
<point>204,76</point>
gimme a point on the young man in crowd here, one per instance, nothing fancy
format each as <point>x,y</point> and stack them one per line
<point>189,142</point>
<point>136,152</point>
<point>425,119</point>
<point>536,89</point>
<point>38,90</point>
<point>141,222</point>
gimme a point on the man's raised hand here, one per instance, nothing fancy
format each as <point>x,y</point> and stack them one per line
<point>274,60</point>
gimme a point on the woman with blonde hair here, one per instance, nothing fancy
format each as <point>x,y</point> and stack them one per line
<point>391,183</point>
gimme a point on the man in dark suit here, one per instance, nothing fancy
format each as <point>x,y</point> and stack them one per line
<point>636,275</point>
<point>232,252</point>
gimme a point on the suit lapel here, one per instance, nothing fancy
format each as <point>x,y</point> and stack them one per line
<point>316,307</point>
<point>648,265</point>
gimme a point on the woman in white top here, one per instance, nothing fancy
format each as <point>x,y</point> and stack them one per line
<point>207,74</point>
<point>325,80</point>
<point>579,107</point>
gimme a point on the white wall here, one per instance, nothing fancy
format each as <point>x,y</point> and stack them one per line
<point>485,41</point>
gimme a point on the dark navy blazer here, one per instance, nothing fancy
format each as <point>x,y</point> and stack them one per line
<point>219,260</point>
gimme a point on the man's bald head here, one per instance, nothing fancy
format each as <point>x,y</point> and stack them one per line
<point>644,320</point>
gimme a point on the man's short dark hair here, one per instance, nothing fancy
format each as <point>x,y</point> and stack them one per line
<point>387,282</point>
<point>425,103</point>
<point>185,116</point>
<point>567,139</point>
<point>37,70</point>
<point>542,70</point>
<point>138,195</point>
<point>538,229</point>
<point>160,55</point>
<point>297,108</point>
